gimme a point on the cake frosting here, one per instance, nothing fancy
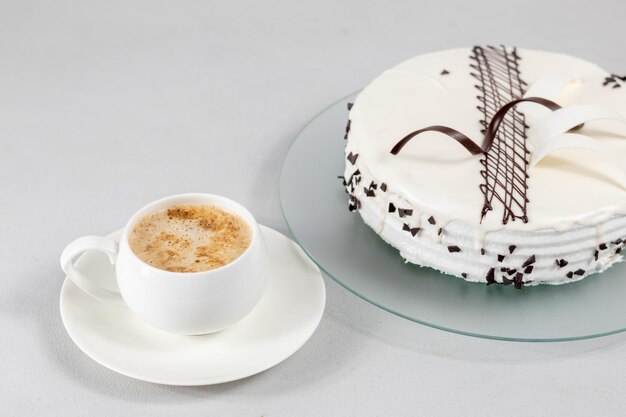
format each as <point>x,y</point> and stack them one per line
<point>538,196</point>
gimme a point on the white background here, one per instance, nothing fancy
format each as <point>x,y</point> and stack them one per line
<point>105,106</point>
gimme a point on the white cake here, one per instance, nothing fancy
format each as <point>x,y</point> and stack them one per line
<point>542,200</point>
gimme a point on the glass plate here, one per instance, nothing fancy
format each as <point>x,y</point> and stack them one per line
<point>316,210</point>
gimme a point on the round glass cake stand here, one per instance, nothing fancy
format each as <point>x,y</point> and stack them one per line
<point>316,210</point>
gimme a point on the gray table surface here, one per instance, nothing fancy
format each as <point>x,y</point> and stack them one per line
<point>105,106</point>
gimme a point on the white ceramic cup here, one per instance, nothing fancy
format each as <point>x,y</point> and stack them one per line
<point>188,303</point>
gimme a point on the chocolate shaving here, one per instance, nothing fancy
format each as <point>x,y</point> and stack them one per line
<point>350,106</point>
<point>383,187</point>
<point>413,230</point>
<point>529,261</point>
<point>440,231</point>
<point>369,192</point>
<point>506,281</point>
<point>445,72</point>
<point>391,208</point>
<point>561,263</point>
<point>595,255</point>
<point>352,157</point>
<point>431,220</point>
<point>512,271</point>
<point>404,212</point>
<point>602,246</point>
<point>519,280</point>
<point>570,274</point>
<point>500,258</point>
<point>618,241</point>
<point>347,132</point>
<point>618,251</point>
<point>453,249</point>
<point>512,248</point>
<point>464,275</point>
<point>579,272</point>
<point>528,269</point>
<point>491,277</point>
<point>482,251</point>
<point>373,185</point>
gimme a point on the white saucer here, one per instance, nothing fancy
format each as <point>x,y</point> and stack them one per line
<point>279,325</point>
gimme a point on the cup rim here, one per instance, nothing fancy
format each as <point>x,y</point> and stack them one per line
<point>131,222</point>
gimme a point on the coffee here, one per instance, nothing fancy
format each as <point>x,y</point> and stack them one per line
<point>190,238</point>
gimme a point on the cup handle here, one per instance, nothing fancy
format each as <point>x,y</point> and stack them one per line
<point>78,247</point>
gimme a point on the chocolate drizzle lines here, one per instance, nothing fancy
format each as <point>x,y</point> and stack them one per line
<point>505,163</point>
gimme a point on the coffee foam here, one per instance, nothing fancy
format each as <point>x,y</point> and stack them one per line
<point>190,238</point>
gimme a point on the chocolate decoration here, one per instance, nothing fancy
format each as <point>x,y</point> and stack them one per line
<point>505,160</point>
<point>431,220</point>
<point>369,192</point>
<point>497,71</point>
<point>440,231</point>
<point>529,261</point>
<point>467,143</point>
<point>491,277</point>
<point>464,275</point>
<point>595,255</point>
<point>614,81</point>
<point>506,281</point>
<point>383,187</point>
<point>512,248</point>
<point>618,251</point>
<point>413,230</point>
<point>350,106</point>
<point>373,185</point>
<point>352,157</point>
<point>618,241</point>
<point>391,208</point>
<point>511,271</point>
<point>453,249</point>
<point>528,269</point>
<point>404,212</point>
<point>482,251</point>
<point>347,132</point>
<point>602,246</point>
<point>445,72</point>
<point>519,280</point>
<point>561,263</point>
<point>500,258</point>
<point>570,274</point>
<point>579,272</point>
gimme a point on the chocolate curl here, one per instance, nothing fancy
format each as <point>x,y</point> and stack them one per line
<point>467,143</point>
<point>490,133</point>
<point>497,118</point>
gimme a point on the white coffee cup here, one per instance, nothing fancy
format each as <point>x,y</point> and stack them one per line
<point>188,303</point>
